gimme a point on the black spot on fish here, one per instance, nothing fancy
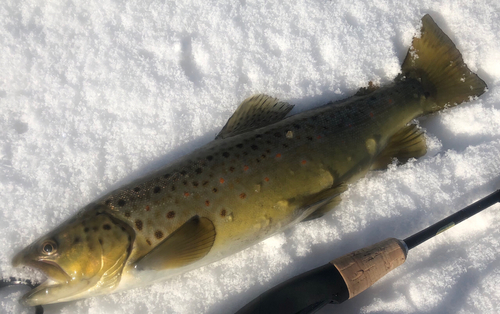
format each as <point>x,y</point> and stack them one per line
<point>198,170</point>
<point>310,138</point>
<point>158,234</point>
<point>231,169</point>
<point>138,224</point>
<point>245,153</point>
<point>209,158</point>
<point>76,240</point>
<point>223,212</point>
<point>285,145</point>
<point>86,229</point>
<point>263,156</point>
<point>254,147</point>
<point>121,203</point>
<point>205,183</point>
<point>100,241</point>
<point>184,182</point>
<point>137,189</point>
<point>171,214</point>
<point>225,154</point>
<point>108,202</point>
<point>268,151</point>
<point>195,183</point>
<point>106,227</point>
<point>214,190</point>
<point>127,214</point>
<point>157,189</point>
<point>239,145</point>
<point>148,242</point>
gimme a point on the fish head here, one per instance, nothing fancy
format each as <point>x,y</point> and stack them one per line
<point>82,257</point>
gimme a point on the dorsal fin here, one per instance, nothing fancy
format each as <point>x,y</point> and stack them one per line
<point>191,242</point>
<point>255,112</point>
<point>408,143</point>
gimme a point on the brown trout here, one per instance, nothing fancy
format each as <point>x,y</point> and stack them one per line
<point>262,174</point>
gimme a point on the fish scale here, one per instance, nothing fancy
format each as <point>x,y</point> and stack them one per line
<point>263,174</point>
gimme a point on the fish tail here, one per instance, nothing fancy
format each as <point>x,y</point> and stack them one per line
<point>435,61</point>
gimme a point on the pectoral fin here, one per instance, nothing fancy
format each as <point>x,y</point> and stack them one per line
<point>253,113</point>
<point>191,242</point>
<point>408,143</point>
<point>324,201</point>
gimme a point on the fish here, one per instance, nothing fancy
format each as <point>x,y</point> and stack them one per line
<point>265,172</point>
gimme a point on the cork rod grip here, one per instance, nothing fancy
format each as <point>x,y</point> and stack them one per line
<point>362,268</point>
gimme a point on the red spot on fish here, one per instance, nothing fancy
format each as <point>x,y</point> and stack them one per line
<point>221,180</point>
<point>207,203</point>
<point>278,155</point>
<point>147,208</point>
<point>303,162</point>
<point>186,194</point>
<point>245,168</point>
<point>266,179</point>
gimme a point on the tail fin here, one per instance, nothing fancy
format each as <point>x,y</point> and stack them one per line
<point>436,62</point>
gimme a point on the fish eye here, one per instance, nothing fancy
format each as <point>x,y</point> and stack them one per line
<point>49,247</point>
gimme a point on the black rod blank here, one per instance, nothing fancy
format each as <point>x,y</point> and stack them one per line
<point>452,220</point>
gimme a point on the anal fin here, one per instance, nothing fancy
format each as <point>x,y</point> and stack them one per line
<point>408,143</point>
<point>191,242</point>
<point>324,201</point>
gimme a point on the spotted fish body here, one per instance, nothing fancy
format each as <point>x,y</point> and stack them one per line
<point>262,174</point>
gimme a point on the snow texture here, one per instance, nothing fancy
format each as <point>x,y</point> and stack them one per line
<point>96,93</point>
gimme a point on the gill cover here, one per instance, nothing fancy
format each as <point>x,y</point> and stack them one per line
<point>80,258</point>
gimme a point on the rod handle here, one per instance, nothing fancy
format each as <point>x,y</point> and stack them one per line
<point>362,268</point>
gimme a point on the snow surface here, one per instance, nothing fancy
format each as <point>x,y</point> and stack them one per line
<point>96,93</point>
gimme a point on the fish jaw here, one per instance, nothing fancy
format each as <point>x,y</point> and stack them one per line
<point>58,280</point>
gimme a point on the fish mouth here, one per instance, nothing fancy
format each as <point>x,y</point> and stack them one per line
<point>57,278</point>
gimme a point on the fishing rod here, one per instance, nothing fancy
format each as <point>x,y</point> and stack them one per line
<point>345,277</point>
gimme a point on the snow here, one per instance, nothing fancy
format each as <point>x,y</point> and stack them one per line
<point>96,93</point>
